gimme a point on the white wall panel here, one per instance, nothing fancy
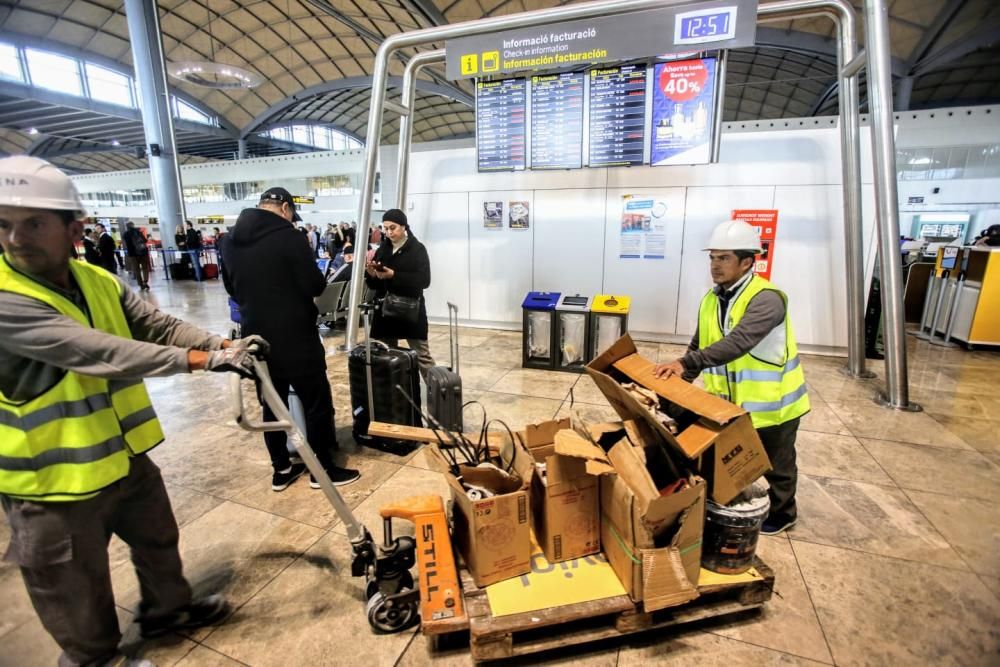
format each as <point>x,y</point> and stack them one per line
<point>706,208</point>
<point>652,283</point>
<point>441,222</point>
<point>500,260</point>
<point>569,241</point>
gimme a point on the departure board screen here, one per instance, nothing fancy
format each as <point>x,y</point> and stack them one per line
<point>617,115</point>
<point>500,131</point>
<point>557,121</point>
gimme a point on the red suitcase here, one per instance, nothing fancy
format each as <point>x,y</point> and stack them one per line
<point>210,271</point>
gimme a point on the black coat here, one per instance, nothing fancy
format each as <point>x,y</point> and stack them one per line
<point>106,246</point>
<point>412,276</point>
<point>269,269</point>
<point>90,252</point>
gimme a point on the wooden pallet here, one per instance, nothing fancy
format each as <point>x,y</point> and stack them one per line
<point>493,638</point>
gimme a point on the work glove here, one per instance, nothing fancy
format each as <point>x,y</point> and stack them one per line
<point>255,345</point>
<point>233,359</point>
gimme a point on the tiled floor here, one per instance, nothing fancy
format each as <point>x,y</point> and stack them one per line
<point>895,560</point>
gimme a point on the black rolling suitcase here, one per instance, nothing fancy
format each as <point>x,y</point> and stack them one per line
<point>374,370</point>
<point>444,384</point>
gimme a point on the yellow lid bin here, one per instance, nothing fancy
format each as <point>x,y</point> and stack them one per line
<point>608,321</point>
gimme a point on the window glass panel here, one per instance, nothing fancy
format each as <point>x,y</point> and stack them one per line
<point>10,63</point>
<point>321,136</point>
<point>187,112</point>
<point>55,72</point>
<point>301,135</point>
<point>108,86</point>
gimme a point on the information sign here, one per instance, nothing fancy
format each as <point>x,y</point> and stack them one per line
<point>500,124</point>
<point>617,115</point>
<point>557,121</point>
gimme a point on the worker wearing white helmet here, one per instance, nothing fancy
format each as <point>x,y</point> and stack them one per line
<point>745,350</point>
<point>76,424</point>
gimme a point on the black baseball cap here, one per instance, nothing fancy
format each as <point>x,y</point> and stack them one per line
<point>278,196</point>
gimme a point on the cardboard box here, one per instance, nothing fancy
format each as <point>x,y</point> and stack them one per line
<point>493,534</point>
<point>722,443</point>
<point>652,542</point>
<point>565,502</point>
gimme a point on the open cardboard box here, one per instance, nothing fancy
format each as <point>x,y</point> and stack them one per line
<point>565,503</point>
<point>652,542</point>
<point>722,443</point>
<point>493,534</point>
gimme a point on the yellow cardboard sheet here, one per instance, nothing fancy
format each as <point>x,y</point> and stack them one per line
<point>709,578</point>
<point>547,585</point>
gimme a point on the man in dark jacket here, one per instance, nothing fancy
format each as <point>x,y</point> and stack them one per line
<point>401,266</point>
<point>138,254</point>
<point>192,241</point>
<point>269,269</point>
<point>90,252</point>
<point>106,247</point>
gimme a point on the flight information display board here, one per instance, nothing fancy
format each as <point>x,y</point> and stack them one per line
<point>617,115</point>
<point>500,124</point>
<point>557,121</point>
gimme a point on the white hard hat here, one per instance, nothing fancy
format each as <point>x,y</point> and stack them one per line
<point>735,235</point>
<point>31,182</point>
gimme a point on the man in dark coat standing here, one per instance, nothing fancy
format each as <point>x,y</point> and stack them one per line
<point>401,266</point>
<point>106,247</point>
<point>269,269</point>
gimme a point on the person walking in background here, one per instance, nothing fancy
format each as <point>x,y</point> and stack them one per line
<point>270,271</point>
<point>137,251</point>
<point>745,350</point>
<point>90,252</point>
<point>401,267</point>
<point>106,248</point>
<point>192,242</point>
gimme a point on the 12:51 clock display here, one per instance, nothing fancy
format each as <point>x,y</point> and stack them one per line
<point>705,25</point>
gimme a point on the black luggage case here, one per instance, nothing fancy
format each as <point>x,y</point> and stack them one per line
<point>444,384</point>
<point>378,377</point>
<point>180,271</point>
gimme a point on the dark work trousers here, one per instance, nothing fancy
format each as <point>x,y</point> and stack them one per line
<point>779,443</point>
<point>313,391</point>
<point>62,550</point>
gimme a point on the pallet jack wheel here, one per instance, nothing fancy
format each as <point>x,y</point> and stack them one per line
<point>405,581</point>
<point>388,617</point>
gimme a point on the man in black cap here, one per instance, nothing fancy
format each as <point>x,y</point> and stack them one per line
<point>269,269</point>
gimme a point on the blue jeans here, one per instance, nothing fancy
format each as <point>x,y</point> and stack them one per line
<point>196,263</point>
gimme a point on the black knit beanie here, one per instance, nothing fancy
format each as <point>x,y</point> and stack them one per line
<point>396,216</point>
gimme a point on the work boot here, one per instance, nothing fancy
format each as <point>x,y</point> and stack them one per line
<point>204,611</point>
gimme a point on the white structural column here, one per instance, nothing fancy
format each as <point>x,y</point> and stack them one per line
<point>886,203</point>
<point>157,118</point>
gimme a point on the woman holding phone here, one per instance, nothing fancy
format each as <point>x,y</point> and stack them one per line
<point>399,273</point>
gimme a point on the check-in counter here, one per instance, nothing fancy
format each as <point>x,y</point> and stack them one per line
<point>977,315</point>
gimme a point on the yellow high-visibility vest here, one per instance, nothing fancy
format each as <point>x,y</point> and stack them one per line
<point>76,437</point>
<point>768,381</point>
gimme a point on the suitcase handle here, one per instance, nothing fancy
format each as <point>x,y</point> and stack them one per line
<point>453,336</point>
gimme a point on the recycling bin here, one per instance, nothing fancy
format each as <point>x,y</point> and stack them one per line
<point>572,333</point>
<point>538,332</point>
<point>608,321</point>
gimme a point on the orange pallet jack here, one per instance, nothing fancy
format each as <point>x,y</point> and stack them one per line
<point>395,602</point>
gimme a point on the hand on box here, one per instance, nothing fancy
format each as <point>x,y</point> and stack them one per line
<point>664,371</point>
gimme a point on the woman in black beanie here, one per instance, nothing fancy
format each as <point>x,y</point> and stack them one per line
<point>401,267</point>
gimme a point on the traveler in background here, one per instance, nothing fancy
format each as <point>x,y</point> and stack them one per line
<point>349,233</point>
<point>745,349</point>
<point>272,275</point>
<point>78,424</point>
<point>106,247</point>
<point>330,240</point>
<point>375,235</point>
<point>317,241</point>
<point>401,266</point>
<point>341,272</point>
<point>310,238</point>
<point>138,254</point>
<point>989,238</point>
<point>192,242</point>
<point>90,252</point>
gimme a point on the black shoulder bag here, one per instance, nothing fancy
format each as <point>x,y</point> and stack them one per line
<point>401,308</point>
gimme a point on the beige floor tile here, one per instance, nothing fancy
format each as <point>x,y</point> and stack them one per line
<point>965,474</point>
<point>315,611</point>
<point>840,456</point>
<point>499,353</point>
<point>409,481</point>
<point>992,583</point>
<point>669,352</point>
<point>201,656</point>
<point>233,550</point>
<point>971,526</point>
<point>692,647</point>
<point>833,386</point>
<point>981,434</point>
<point>17,605</point>
<point>870,518</point>
<point>516,411</point>
<point>822,419</point>
<point>868,420</point>
<point>788,622</point>
<point>586,391</point>
<point>482,377</point>
<point>948,618</point>
<point>221,467</point>
<point>592,414</point>
<point>540,384</point>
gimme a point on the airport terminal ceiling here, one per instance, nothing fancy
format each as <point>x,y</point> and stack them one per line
<point>307,63</point>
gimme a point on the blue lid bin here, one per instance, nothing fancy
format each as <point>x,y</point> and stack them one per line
<point>538,341</point>
<point>572,332</point>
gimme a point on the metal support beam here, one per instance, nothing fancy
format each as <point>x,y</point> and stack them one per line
<point>720,106</point>
<point>876,15</point>
<point>413,68</point>
<point>854,65</point>
<point>904,90</point>
<point>401,109</point>
<point>151,74</point>
<point>986,35</point>
<point>241,149</point>
<point>933,32</point>
<point>428,10</point>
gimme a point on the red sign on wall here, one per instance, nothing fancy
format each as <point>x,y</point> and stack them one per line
<point>766,221</point>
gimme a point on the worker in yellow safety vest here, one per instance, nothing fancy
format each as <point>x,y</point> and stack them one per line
<point>76,424</point>
<point>745,350</point>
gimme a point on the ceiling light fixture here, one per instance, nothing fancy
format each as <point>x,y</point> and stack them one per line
<point>115,142</point>
<point>32,130</point>
<point>214,75</point>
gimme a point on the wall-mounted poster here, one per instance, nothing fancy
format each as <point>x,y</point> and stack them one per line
<point>766,221</point>
<point>683,109</point>
<point>643,228</point>
<point>493,215</point>
<point>520,213</point>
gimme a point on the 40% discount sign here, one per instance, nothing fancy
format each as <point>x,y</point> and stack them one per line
<point>684,80</point>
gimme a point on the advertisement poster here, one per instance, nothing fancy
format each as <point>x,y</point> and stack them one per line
<point>683,95</point>
<point>765,220</point>
<point>643,228</point>
<point>493,214</point>
<point>519,212</point>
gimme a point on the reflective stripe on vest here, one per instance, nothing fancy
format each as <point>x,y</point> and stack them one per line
<point>768,381</point>
<point>76,437</point>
